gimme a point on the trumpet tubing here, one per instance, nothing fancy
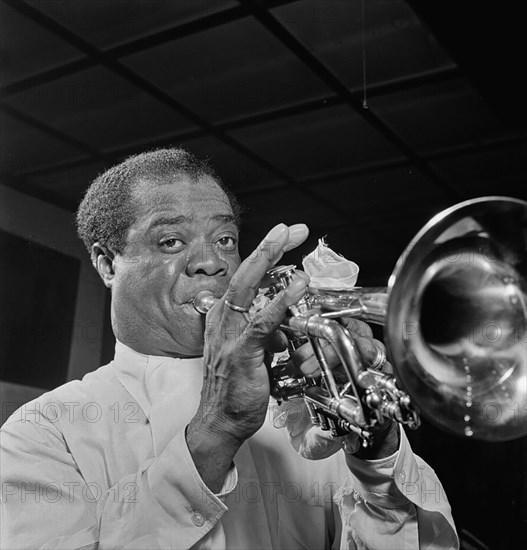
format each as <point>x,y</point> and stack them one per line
<point>455,328</point>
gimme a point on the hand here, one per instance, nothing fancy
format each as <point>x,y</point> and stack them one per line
<point>312,442</point>
<point>306,363</point>
<point>236,389</point>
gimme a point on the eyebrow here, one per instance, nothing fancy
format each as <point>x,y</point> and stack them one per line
<point>179,220</point>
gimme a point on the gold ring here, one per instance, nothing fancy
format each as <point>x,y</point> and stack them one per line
<point>380,359</point>
<point>236,308</point>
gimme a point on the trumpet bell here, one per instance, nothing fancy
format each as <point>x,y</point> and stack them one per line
<point>456,324</point>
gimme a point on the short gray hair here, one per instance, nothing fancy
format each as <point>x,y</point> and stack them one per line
<point>106,211</point>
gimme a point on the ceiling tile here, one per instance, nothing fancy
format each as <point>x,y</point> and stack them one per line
<point>100,108</point>
<point>29,49</point>
<point>442,115</point>
<point>237,171</point>
<point>24,148</point>
<point>109,23</point>
<point>315,143</point>
<point>285,206</point>
<point>71,183</point>
<point>373,197</point>
<point>234,70</point>
<point>395,43</point>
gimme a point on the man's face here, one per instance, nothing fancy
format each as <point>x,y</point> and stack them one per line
<point>183,240</point>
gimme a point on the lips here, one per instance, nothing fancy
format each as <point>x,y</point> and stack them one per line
<point>189,296</point>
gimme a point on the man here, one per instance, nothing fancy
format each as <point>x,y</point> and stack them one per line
<point>172,445</point>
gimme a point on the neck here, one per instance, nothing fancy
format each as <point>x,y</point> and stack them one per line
<point>142,337</point>
<point>159,347</point>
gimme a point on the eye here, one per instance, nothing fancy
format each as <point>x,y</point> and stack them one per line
<point>227,243</point>
<point>172,244</point>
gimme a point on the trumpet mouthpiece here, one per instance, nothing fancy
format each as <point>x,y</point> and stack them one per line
<point>204,301</point>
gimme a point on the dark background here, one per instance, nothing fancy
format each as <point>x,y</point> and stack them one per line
<point>273,93</point>
<point>38,287</point>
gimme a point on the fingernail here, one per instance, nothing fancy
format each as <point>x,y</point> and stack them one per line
<point>298,231</point>
<point>297,235</point>
<point>276,232</point>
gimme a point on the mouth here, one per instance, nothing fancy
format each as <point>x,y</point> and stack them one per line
<point>203,300</point>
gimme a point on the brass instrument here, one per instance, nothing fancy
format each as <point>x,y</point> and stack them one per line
<point>455,328</point>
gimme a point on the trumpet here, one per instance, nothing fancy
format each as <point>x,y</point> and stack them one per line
<point>455,328</point>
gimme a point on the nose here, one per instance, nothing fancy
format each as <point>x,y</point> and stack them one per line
<point>204,260</point>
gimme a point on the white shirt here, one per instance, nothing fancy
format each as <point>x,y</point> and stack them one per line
<point>103,463</point>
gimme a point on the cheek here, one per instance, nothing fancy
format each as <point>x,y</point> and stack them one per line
<point>146,278</point>
<point>171,269</point>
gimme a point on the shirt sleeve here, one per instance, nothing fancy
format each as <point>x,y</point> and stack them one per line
<point>46,503</point>
<point>394,502</point>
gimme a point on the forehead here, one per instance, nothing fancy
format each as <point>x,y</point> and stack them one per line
<point>179,195</point>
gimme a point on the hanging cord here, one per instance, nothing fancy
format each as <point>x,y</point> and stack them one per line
<point>364,90</point>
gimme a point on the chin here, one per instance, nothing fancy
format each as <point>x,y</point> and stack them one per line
<point>192,340</point>
<point>195,347</point>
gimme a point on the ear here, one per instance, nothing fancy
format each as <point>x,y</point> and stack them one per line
<point>102,259</point>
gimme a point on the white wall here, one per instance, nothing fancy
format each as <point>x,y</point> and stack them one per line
<point>45,224</point>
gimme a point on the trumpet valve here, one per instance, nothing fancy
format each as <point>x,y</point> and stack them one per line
<point>374,402</point>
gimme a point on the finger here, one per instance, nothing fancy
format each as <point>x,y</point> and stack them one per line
<point>303,275</point>
<point>358,327</point>
<point>369,349</point>
<point>355,326</point>
<point>268,359</point>
<point>246,281</point>
<point>306,363</point>
<point>304,359</point>
<point>298,233</point>
<point>387,368</point>
<point>267,320</point>
<point>276,341</point>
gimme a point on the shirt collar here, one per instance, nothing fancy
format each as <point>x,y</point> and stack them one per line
<point>150,378</point>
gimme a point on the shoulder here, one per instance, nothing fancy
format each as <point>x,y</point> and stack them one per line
<point>96,387</point>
